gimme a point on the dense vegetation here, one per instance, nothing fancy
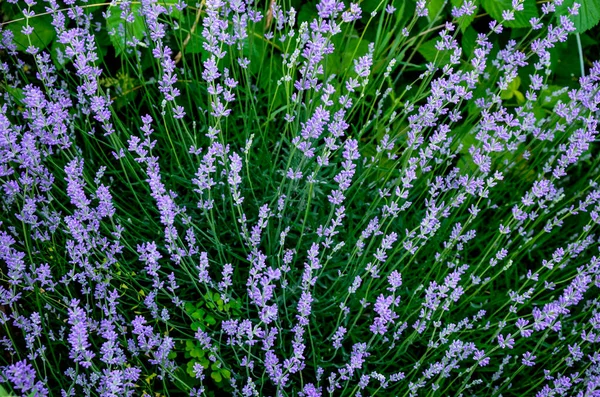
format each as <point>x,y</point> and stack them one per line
<point>288,198</point>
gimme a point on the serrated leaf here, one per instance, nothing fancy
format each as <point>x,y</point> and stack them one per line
<point>588,15</point>
<point>42,36</point>
<point>496,7</point>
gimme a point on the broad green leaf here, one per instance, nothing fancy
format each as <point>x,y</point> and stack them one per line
<point>204,362</point>
<point>495,8</point>
<point>434,7</point>
<point>5,393</point>
<point>189,307</point>
<point>196,325</point>
<point>307,13</point>
<point>469,40</point>
<point>190,368</point>
<point>16,93</point>
<point>189,345</point>
<point>431,54</point>
<point>198,314</point>
<point>42,36</point>
<point>565,59</point>
<point>171,9</point>
<point>550,96</point>
<point>512,90</point>
<point>216,376</point>
<point>587,17</point>
<point>124,32</point>
<point>197,352</point>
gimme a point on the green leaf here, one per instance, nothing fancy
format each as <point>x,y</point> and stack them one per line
<point>495,8</point>
<point>307,13</point>
<point>197,352</point>
<point>189,345</point>
<point>469,40</point>
<point>431,54</point>
<point>121,32</point>
<point>210,320</point>
<point>226,374</point>
<point>5,393</point>
<point>189,307</point>
<point>434,7</point>
<point>520,97</point>
<point>550,96</point>
<point>587,17</point>
<point>198,314</point>
<point>42,36</point>
<point>216,376</point>
<point>16,93</point>
<point>204,362</point>
<point>196,325</point>
<point>506,95</point>
<point>190,368</point>
<point>171,9</point>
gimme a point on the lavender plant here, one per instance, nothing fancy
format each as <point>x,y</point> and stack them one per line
<point>389,197</point>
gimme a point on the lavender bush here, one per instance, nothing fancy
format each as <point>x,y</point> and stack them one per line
<point>394,198</point>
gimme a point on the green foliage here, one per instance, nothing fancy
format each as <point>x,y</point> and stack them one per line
<point>384,109</point>
<point>496,7</point>
<point>513,92</point>
<point>5,393</point>
<point>122,32</point>
<point>465,21</point>
<point>434,8</point>
<point>432,54</point>
<point>201,316</point>
<point>587,17</point>
<point>43,31</point>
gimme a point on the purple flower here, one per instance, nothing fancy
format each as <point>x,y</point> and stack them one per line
<point>338,337</point>
<point>78,336</point>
